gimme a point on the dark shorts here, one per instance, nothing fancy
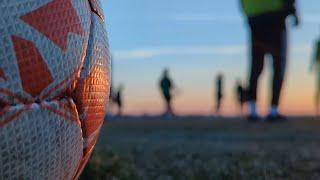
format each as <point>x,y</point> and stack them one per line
<point>167,98</point>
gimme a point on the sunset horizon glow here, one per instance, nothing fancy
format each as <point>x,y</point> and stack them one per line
<point>196,41</point>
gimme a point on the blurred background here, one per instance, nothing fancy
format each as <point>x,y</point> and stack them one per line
<point>197,40</point>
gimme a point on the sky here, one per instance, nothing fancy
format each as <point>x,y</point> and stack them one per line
<point>197,40</point>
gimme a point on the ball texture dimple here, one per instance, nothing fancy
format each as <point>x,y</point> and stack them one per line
<point>54,86</point>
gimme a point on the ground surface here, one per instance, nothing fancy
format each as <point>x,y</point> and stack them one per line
<point>200,148</point>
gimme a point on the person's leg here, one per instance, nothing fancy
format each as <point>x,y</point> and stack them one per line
<point>119,108</point>
<point>218,105</point>
<point>170,111</point>
<point>168,105</point>
<point>279,54</point>
<point>257,63</point>
<point>241,108</point>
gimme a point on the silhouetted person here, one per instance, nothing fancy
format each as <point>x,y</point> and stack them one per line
<point>219,92</point>
<point>267,22</point>
<point>118,99</point>
<point>315,65</point>
<point>111,100</point>
<point>166,87</point>
<point>240,95</point>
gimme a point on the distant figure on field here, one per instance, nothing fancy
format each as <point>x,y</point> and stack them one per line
<point>267,22</point>
<point>315,65</point>
<point>111,101</point>
<point>240,95</point>
<point>118,99</point>
<point>166,87</point>
<point>219,92</point>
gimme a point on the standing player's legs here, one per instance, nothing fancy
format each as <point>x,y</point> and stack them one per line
<point>218,105</point>
<point>168,104</point>
<point>241,108</point>
<point>119,108</point>
<point>279,53</point>
<point>257,63</point>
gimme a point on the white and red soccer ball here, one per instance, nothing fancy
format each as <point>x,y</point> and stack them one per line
<point>54,86</point>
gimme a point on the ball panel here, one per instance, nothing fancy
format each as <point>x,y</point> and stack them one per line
<point>83,163</point>
<point>40,144</point>
<point>51,52</point>
<point>92,91</point>
<point>60,40</point>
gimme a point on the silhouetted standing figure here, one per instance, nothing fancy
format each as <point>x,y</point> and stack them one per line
<point>267,22</point>
<point>315,65</point>
<point>118,99</point>
<point>240,95</point>
<point>166,87</point>
<point>111,100</point>
<point>219,92</point>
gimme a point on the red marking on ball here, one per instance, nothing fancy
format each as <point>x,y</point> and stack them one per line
<point>55,20</point>
<point>14,115</point>
<point>34,72</point>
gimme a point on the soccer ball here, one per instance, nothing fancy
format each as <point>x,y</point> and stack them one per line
<point>54,86</point>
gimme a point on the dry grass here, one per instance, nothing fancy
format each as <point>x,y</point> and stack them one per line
<point>197,148</point>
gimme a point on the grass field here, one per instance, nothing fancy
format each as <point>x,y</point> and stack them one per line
<point>200,148</point>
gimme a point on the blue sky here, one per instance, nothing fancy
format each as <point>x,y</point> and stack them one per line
<point>196,40</point>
